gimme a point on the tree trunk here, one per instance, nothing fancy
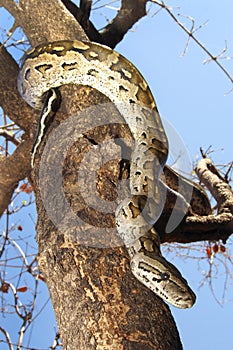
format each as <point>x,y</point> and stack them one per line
<point>97,301</point>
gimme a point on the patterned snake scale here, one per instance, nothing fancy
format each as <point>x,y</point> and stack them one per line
<point>51,65</point>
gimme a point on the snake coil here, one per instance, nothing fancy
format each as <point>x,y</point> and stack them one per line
<point>51,65</point>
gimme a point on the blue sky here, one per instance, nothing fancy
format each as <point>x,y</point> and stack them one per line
<point>193,98</point>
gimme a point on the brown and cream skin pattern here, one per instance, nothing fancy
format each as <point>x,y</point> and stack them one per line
<point>51,65</point>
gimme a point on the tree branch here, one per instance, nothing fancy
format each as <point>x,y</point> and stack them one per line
<point>10,100</point>
<point>85,7</point>
<point>208,227</point>
<point>130,12</point>
<point>82,16</point>
<point>9,137</point>
<point>216,184</point>
<point>13,169</point>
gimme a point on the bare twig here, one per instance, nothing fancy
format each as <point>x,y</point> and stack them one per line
<point>7,336</point>
<point>56,342</point>
<point>190,33</point>
<point>9,137</point>
<point>214,262</point>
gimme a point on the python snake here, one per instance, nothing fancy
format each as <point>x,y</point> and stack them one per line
<point>47,67</point>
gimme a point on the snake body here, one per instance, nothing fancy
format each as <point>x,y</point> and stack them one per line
<point>51,65</point>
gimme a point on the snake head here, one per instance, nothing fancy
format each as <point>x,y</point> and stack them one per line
<point>163,279</point>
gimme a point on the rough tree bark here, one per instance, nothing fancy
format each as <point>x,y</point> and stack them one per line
<point>97,302</point>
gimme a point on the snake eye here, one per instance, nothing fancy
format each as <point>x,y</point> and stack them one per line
<point>164,276</point>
